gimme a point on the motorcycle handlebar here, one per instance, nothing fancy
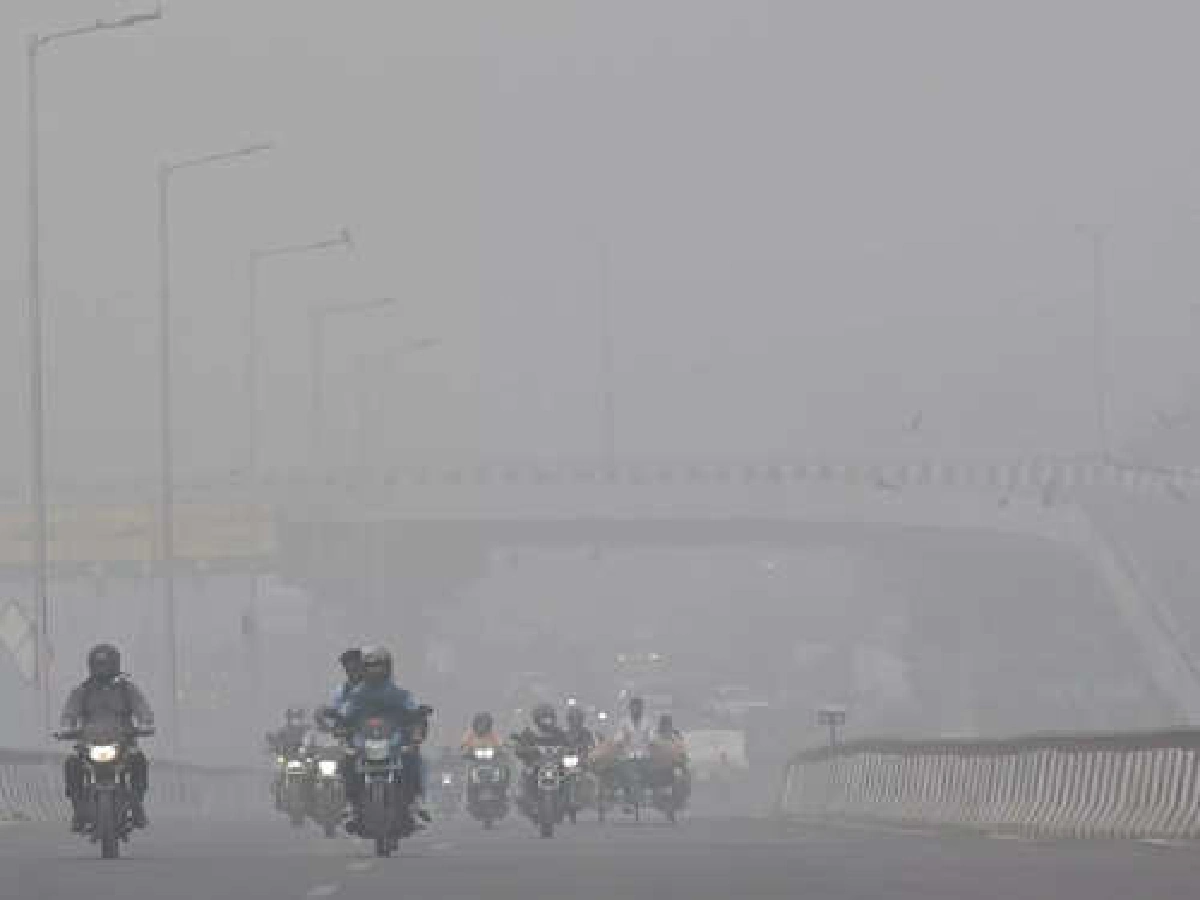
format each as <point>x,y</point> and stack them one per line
<point>77,734</point>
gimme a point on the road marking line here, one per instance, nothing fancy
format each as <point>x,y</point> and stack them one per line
<point>324,890</point>
<point>361,866</point>
<point>443,845</point>
<point>1164,844</point>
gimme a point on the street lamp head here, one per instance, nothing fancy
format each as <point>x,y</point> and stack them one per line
<point>251,149</point>
<point>136,18</point>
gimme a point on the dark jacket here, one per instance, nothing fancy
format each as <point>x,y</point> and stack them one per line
<point>103,705</point>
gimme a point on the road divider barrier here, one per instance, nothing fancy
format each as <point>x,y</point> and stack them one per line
<point>1137,786</point>
<point>31,788</point>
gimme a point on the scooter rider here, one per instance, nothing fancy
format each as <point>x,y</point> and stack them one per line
<point>107,701</point>
<point>482,734</point>
<point>379,696</point>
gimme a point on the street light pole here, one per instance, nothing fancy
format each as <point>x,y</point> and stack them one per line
<point>317,317</point>
<point>1097,235</point>
<point>167,461</point>
<point>37,418</point>
<point>250,383</point>
<point>607,386</point>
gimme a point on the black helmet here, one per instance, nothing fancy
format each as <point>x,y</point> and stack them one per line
<point>482,723</point>
<point>637,706</point>
<point>666,725</point>
<point>104,661</point>
<point>376,664</point>
<point>352,662</point>
<point>544,716</point>
<point>575,716</point>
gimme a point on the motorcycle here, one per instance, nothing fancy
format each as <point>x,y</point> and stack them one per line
<point>639,787</point>
<point>107,791</point>
<point>387,788</point>
<point>292,786</point>
<point>573,783</point>
<point>546,775</point>
<point>447,794</point>
<point>326,795</point>
<point>487,786</point>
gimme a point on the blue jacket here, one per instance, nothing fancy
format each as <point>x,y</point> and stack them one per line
<point>385,701</point>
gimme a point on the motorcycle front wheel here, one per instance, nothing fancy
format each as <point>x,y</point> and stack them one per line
<point>546,816</point>
<point>106,825</point>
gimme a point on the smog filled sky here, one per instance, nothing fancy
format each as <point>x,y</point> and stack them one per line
<point>806,216</point>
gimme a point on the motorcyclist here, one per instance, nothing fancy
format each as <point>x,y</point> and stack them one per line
<point>291,735</point>
<point>482,733</point>
<point>635,733</point>
<point>669,749</point>
<point>579,736</point>
<point>634,737</point>
<point>107,702</point>
<point>544,733</point>
<point>379,696</point>
<point>351,661</point>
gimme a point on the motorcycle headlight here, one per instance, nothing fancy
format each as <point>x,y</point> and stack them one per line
<point>571,762</point>
<point>485,752</point>
<point>281,759</point>
<point>327,767</point>
<point>294,765</point>
<point>103,753</point>
<point>447,778</point>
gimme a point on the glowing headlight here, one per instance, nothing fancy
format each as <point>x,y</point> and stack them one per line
<point>327,767</point>
<point>294,765</point>
<point>571,762</point>
<point>103,753</point>
<point>447,778</point>
<point>485,752</point>
<point>281,759</point>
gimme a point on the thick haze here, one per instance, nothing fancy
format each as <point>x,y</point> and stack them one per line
<point>820,220</point>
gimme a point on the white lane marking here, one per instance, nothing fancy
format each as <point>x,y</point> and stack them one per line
<point>1166,844</point>
<point>361,866</point>
<point>443,845</point>
<point>324,890</point>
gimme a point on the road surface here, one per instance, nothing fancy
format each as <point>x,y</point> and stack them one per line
<point>701,859</point>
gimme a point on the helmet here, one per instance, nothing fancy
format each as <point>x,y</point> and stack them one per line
<point>544,716</point>
<point>352,662</point>
<point>104,661</point>
<point>575,716</point>
<point>637,706</point>
<point>482,723</point>
<point>666,725</point>
<point>294,716</point>
<point>376,664</point>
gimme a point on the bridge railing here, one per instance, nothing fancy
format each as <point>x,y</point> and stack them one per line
<point>31,788</point>
<point>1136,785</point>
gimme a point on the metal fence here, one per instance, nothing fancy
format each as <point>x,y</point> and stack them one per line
<point>31,788</point>
<point>1139,785</point>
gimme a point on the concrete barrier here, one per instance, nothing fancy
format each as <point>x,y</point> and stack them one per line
<point>31,789</point>
<point>1144,785</point>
